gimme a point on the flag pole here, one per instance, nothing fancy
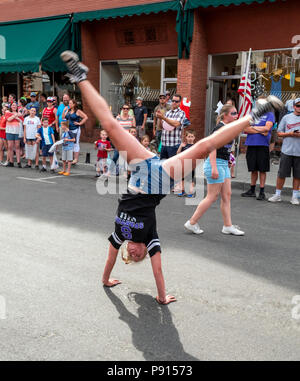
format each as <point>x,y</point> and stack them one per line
<point>243,105</point>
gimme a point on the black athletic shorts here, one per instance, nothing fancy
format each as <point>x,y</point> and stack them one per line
<point>258,158</point>
<point>288,162</point>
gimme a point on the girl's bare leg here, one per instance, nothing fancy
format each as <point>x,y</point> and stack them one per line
<point>18,150</point>
<point>202,148</point>
<point>213,191</point>
<point>1,150</point>
<point>10,151</point>
<point>122,140</point>
<point>226,202</point>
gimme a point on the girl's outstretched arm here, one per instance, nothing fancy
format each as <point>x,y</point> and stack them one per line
<point>110,262</point>
<point>162,298</point>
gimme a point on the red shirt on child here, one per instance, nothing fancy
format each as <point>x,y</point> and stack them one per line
<point>3,125</point>
<point>101,145</point>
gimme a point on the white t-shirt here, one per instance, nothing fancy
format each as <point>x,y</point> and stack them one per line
<point>31,125</point>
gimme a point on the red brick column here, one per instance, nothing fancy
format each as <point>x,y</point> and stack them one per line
<point>192,76</point>
<point>90,57</point>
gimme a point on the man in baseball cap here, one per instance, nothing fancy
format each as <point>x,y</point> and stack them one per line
<point>34,103</point>
<point>157,123</point>
<point>289,131</point>
<point>140,114</point>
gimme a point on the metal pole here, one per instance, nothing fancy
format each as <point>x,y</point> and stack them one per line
<point>239,138</point>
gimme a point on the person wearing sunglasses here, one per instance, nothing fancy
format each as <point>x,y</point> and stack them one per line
<point>217,173</point>
<point>289,130</point>
<point>172,124</point>
<point>258,153</point>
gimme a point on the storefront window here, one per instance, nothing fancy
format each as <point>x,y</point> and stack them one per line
<point>171,68</point>
<point>125,80</point>
<point>271,72</point>
<point>276,73</point>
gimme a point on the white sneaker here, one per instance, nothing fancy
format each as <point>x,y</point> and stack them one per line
<point>233,229</point>
<point>193,228</point>
<point>275,198</point>
<point>294,201</point>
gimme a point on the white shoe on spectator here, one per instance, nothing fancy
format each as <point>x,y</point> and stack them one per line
<point>233,229</point>
<point>294,201</point>
<point>275,198</point>
<point>193,228</point>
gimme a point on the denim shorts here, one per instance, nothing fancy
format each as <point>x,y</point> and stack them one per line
<point>223,169</point>
<point>148,176</point>
<point>45,150</point>
<point>12,136</point>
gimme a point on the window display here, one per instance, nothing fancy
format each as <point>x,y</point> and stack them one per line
<point>125,80</point>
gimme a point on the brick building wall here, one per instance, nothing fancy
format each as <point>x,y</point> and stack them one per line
<point>99,43</point>
<point>29,9</point>
<point>192,75</point>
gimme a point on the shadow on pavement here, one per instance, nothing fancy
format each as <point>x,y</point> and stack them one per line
<point>153,331</point>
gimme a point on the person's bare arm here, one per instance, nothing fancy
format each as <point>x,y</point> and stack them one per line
<point>171,122</point>
<point>162,298</point>
<point>83,117</point>
<point>110,262</point>
<point>213,163</point>
<point>289,134</point>
<point>145,120</point>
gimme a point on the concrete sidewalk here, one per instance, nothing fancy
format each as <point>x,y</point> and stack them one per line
<point>241,181</point>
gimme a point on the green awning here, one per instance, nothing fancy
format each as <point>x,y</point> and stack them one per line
<point>134,10</point>
<point>31,43</point>
<point>192,4</point>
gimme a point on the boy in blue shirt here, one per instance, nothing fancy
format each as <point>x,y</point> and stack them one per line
<point>45,134</point>
<point>67,148</point>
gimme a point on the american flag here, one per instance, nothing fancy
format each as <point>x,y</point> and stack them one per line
<point>245,91</point>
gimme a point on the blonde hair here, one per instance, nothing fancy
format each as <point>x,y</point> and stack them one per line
<point>145,137</point>
<point>126,257</point>
<point>224,111</point>
<point>64,123</point>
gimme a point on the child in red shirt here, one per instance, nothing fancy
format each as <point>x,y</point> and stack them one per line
<point>103,146</point>
<point>3,142</point>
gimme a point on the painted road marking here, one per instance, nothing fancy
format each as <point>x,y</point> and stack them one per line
<point>46,179</point>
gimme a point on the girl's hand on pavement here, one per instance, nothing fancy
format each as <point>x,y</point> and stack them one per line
<point>168,299</point>
<point>112,282</point>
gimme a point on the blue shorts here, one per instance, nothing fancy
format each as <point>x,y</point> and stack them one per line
<point>45,150</point>
<point>149,177</point>
<point>223,169</point>
<point>12,136</point>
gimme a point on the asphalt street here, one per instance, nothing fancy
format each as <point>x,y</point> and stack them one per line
<point>234,294</point>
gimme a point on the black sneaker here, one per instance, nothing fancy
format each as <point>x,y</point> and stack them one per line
<point>9,164</point>
<point>262,106</point>
<point>27,166</point>
<point>249,193</point>
<point>261,197</point>
<point>77,70</point>
<point>43,170</point>
<point>19,165</point>
<point>37,167</point>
